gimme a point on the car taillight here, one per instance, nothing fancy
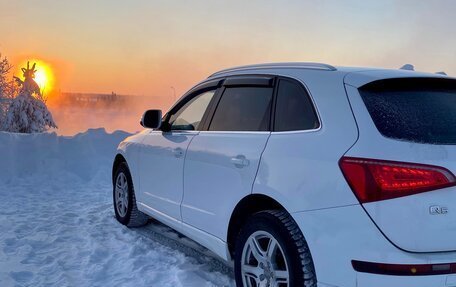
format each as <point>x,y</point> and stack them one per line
<point>374,180</point>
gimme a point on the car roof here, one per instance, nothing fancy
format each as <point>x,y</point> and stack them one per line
<point>354,76</point>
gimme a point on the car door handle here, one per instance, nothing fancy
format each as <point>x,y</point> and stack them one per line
<point>178,152</point>
<point>240,161</point>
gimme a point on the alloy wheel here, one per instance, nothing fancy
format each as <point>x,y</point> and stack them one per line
<point>121,194</point>
<point>263,262</point>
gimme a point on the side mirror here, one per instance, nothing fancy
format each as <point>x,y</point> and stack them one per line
<point>152,119</point>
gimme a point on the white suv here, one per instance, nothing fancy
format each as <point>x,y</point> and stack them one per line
<point>304,174</point>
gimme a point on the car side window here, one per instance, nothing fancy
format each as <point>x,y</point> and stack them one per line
<point>294,109</point>
<point>243,109</point>
<point>189,116</point>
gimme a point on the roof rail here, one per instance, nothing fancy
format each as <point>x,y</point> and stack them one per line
<point>292,65</point>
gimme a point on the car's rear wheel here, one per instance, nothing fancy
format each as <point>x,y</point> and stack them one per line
<point>271,251</point>
<point>124,199</point>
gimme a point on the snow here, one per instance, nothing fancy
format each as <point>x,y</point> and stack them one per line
<point>58,225</point>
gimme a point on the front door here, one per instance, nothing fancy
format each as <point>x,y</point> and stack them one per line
<point>162,157</point>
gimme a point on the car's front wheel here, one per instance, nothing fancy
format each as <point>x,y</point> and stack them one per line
<point>124,199</point>
<point>271,251</point>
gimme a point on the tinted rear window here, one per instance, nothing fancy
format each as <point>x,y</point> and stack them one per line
<point>417,110</point>
<point>294,110</point>
<point>243,109</point>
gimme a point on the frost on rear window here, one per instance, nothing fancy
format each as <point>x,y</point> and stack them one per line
<point>421,110</point>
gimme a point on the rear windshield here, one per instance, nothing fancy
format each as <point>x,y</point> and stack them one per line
<point>418,110</point>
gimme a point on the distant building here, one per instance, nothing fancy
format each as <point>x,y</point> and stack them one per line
<point>112,100</point>
<point>82,98</point>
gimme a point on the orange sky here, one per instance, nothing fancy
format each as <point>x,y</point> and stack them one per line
<point>145,47</point>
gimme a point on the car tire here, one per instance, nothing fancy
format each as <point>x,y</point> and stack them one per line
<point>270,247</point>
<point>124,200</point>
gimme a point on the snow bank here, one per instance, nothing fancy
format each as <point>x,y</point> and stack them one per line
<point>87,155</point>
<point>58,226</point>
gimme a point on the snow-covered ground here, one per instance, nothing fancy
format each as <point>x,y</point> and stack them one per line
<point>58,227</point>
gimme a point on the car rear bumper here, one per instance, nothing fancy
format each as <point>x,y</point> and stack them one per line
<point>336,236</point>
<point>372,280</point>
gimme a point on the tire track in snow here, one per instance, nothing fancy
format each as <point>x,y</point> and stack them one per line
<point>61,231</point>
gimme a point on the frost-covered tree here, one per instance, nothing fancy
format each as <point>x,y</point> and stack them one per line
<point>7,89</point>
<point>5,68</point>
<point>27,112</point>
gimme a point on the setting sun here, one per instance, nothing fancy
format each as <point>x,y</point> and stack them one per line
<point>44,76</point>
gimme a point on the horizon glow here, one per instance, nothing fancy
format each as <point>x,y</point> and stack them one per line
<point>145,47</point>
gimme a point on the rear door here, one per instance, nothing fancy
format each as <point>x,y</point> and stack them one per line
<point>410,121</point>
<point>222,162</point>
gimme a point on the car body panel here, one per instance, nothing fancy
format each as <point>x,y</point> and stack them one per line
<point>161,168</point>
<point>336,236</point>
<point>214,181</point>
<point>407,221</point>
<point>130,149</point>
<point>374,280</point>
<point>299,168</point>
